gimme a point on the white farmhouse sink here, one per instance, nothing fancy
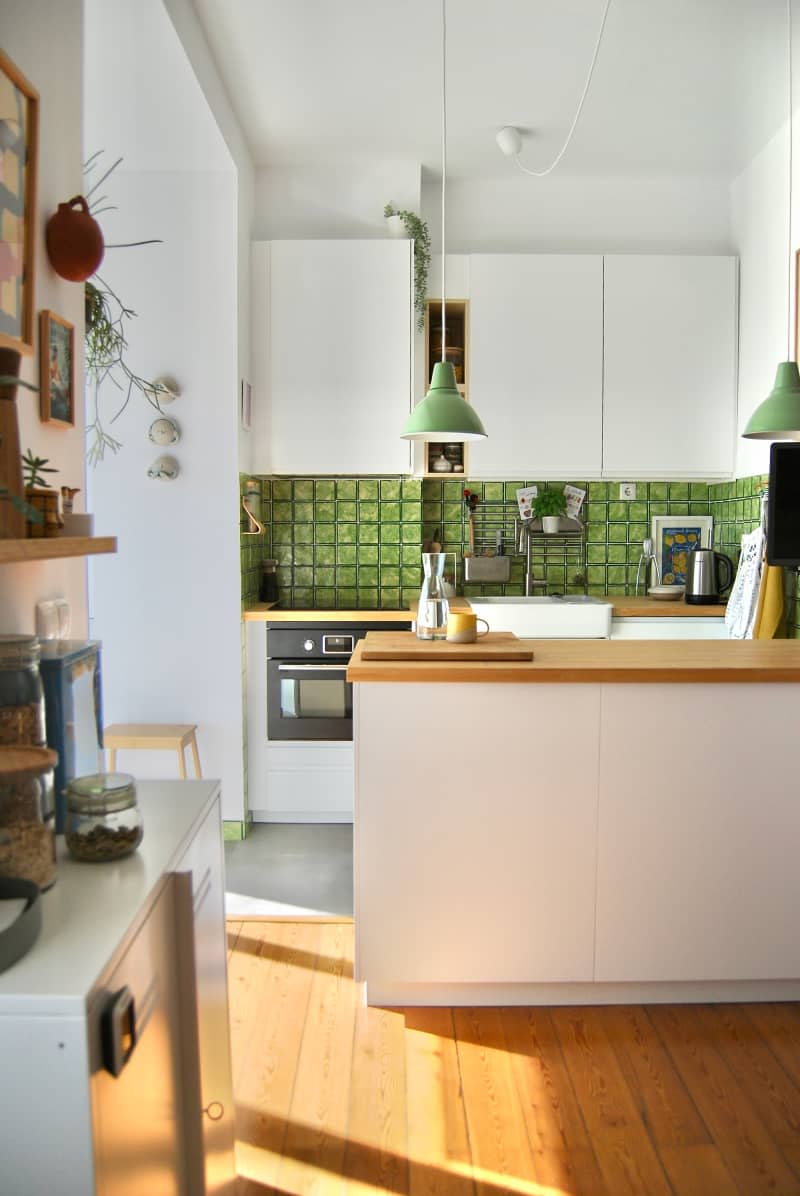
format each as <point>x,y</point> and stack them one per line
<point>575,616</point>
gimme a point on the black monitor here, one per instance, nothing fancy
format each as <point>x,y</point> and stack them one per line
<point>783,511</point>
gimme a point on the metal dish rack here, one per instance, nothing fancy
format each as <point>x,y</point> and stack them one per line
<point>499,521</point>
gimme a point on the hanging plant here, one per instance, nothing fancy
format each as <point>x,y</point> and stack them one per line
<point>105,336</point>
<point>418,231</point>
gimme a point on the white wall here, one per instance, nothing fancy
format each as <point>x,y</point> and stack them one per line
<point>53,65</point>
<point>555,215</point>
<point>759,211</point>
<point>321,201</point>
<point>167,608</point>
<point>572,215</point>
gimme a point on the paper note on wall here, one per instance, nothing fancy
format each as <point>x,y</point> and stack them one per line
<point>574,498</point>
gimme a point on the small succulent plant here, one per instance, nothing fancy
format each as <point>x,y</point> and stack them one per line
<point>34,469</point>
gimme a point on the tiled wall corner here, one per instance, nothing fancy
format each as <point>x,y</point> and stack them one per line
<point>253,549</point>
<point>355,542</point>
<point>347,542</point>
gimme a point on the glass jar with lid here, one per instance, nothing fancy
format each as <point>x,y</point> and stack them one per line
<point>27,838</point>
<point>21,695</point>
<point>103,820</point>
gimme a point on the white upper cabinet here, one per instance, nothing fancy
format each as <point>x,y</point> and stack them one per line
<point>669,404</point>
<point>535,364</point>
<point>333,380</point>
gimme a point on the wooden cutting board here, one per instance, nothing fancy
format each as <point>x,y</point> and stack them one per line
<point>404,645</point>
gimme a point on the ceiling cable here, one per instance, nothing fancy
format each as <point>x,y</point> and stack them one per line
<point>791,148</point>
<point>539,174</point>
<point>444,159</point>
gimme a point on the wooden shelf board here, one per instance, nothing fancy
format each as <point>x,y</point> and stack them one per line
<point>51,548</point>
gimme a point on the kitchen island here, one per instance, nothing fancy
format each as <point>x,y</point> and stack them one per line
<point>612,821</point>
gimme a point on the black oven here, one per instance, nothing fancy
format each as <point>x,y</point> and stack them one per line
<point>308,695</point>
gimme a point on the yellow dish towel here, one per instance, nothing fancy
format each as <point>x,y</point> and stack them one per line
<point>769,611</point>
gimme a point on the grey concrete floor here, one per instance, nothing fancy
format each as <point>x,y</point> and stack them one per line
<point>291,868</point>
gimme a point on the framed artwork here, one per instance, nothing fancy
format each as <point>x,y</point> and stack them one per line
<point>247,405</point>
<point>674,537</point>
<point>19,127</point>
<point>56,370</point>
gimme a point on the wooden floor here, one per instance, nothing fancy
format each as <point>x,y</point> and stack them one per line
<point>332,1097</point>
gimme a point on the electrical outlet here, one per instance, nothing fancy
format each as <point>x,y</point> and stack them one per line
<point>627,490</point>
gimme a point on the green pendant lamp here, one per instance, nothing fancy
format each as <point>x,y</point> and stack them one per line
<point>443,414</point>
<point>778,417</point>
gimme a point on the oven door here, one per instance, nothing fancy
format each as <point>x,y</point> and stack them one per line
<point>308,700</point>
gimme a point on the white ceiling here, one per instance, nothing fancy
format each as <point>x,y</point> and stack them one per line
<point>681,86</point>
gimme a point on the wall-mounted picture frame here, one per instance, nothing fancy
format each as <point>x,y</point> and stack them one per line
<point>56,370</point>
<point>19,141</point>
<point>246,406</point>
<point>674,537</point>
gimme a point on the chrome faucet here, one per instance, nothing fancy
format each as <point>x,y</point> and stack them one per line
<point>647,559</point>
<point>524,545</point>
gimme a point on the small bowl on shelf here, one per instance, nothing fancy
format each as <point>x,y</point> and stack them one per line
<point>666,593</point>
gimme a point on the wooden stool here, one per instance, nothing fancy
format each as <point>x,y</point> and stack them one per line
<point>154,736</point>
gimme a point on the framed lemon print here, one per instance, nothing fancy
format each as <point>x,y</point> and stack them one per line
<point>674,537</point>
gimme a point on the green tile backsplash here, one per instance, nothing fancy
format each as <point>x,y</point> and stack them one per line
<point>355,542</point>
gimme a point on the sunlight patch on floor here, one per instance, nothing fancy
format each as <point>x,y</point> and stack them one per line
<point>239,905</point>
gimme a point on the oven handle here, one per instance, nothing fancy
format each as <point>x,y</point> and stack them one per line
<point>312,668</point>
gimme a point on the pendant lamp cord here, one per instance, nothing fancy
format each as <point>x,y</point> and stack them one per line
<point>540,174</point>
<point>791,149</point>
<point>444,158</point>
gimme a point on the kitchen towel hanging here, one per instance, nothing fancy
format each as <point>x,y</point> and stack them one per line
<point>741,609</point>
<point>768,622</point>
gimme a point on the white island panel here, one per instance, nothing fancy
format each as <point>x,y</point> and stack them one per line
<point>475,832</point>
<point>699,834</point>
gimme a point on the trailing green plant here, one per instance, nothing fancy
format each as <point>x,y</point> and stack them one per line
<point>549,502</point>
<point>105,337</point>
<point>419,233</point>
<point>34,468</point>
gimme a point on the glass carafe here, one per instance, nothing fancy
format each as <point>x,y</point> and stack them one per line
<point>433,605</point>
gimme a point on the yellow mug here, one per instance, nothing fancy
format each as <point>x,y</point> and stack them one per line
<point>462,627</point>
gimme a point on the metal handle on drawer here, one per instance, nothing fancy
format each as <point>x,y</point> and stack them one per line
<point>312,668</point>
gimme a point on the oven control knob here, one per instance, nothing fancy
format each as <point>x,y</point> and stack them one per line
<point>308,645</point>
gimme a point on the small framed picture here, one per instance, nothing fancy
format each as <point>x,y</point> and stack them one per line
<point>247,405</point>
<point>56,370</point>
<point>674,537</point>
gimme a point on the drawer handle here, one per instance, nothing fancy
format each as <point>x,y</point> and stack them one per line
<point>214,1110</point>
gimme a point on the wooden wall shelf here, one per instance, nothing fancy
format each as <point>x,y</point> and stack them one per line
<point>54,547</point>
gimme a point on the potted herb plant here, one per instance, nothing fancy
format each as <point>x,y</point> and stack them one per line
<point>409,223</point>
<point>40,496</point>
<point>549,506</point>
<point>13,509</point>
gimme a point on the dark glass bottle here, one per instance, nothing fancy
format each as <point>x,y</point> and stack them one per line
<point>268,591</point>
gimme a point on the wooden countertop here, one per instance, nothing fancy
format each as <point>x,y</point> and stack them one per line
<point>597,661</point>
<point>261,611</point>
<point>625,608</point>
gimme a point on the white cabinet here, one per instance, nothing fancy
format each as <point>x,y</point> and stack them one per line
<point>302,781</point>
<point>697,835</point>
<point>67,1124</point>
<point>669,389</point>
<point>536,364</point>
<point>474,850</point>
<point>201,871</point>
<point>332,356</point>
<point>658,628</point>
